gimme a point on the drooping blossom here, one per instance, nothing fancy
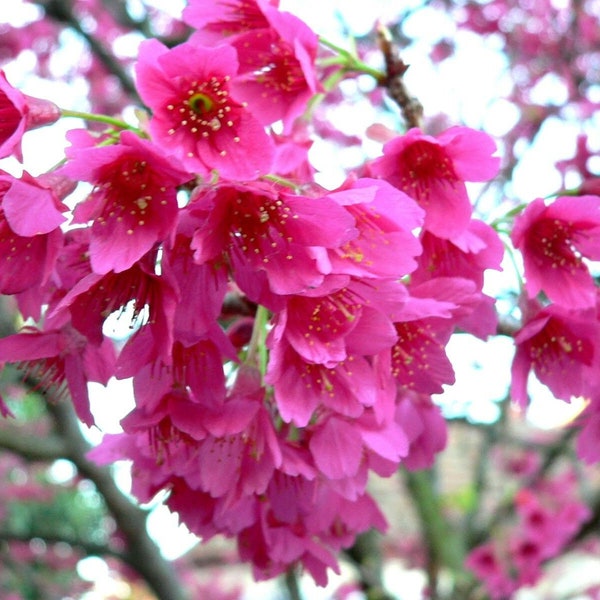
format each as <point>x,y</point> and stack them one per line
<point>31,213</point>
<point>468,255</point>
<point>277,68</point>
<point>553,240</point>
<point>425,427</point>
<point>262,229</point>
<point>560,347</point>
<point>386,219</point>
<point>195,115</point>
<point>133,205</point>
<point>20,113</point>
<point>222,19</point>
<point>433,171</point>
<point>151,298</point>
<point>61,360</point>
<point>356,318</point>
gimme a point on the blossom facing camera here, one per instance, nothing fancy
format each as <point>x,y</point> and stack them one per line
<point>195,116</point>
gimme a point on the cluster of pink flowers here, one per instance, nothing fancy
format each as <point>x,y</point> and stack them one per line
<point>560,333</point>
<point>547,517</point>
<point>286,339</point>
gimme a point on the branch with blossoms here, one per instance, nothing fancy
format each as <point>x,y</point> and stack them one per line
<point>286,340</point>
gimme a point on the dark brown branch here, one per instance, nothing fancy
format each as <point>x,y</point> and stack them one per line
<point>395,67</point>
<point>61,11</point>
<point>142,553</point>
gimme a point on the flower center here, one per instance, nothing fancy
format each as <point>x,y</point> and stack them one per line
<point>201,103</point>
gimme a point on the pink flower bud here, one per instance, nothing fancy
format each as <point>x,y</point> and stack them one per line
<point>20,113</point>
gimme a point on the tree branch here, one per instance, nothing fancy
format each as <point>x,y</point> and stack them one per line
<point>142,553</point>
<point>31,448</point>
<point>61,11</point>
<point>87,547</point>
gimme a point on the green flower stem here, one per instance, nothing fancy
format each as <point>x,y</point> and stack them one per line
<point>98,119</point>
<point>350,62</point>
<point>257,348</point>
<point>282,181</point>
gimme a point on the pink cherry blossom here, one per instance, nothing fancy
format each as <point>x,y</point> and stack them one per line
<point>221,19</point>
<point>260,228</point>
<point>560,347</point>
<point>277,68</point>
<point>553,240</point>
<point>195,116</point>
<point>61,359</point>
<point>133,204</point>
<point>30,236</point>
<point>432,170</point>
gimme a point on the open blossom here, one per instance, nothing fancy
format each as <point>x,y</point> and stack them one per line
<point>276,50</point>
<point>20,113</point>
<point>385,220</point>
<point>133,204</point>
<point>561,348</point>
<point>433,171</point>
<point>61,359</point>
<point>31,213</point>
<point>277,68</point>
<point>554,239</point>
<point>261,229</point>
<point>221,19</point>
<point>195,116</point>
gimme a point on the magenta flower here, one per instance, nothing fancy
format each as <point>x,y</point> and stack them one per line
<point>20,113</point>
<point>194,114</point>
<point>432,170</point>
<point>301,387</point>
<point>133,204</point>
<point>385,219</point>
<point>261,229</point>
<point>560,347</point>
<point>356,319</point>
<point>468,255</point>
<point>219,20</point>
<point>277,68</point>
<point>96,296</point>
<point>30,235</point>
<point>425,427</point>
<point>553,240</point>
<point>62,360</point>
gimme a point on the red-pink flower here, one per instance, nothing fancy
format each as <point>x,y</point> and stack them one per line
<point>96,296</point>
<point>20,113</point>
<point>385,219</point>
<point>265,230</point>
<point>133,204</point>
<point>553,240</point>
<point>61,359</point>
<point>356,319</point>
<point>425,428</point>
<point>221,19</point>
<point>468,255</point>
<point>277,68</point>
<point>301,387</point>
<point>30,236</point>
<point>195,116</point>
<point>560,346</point>
<point>433,170</point>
